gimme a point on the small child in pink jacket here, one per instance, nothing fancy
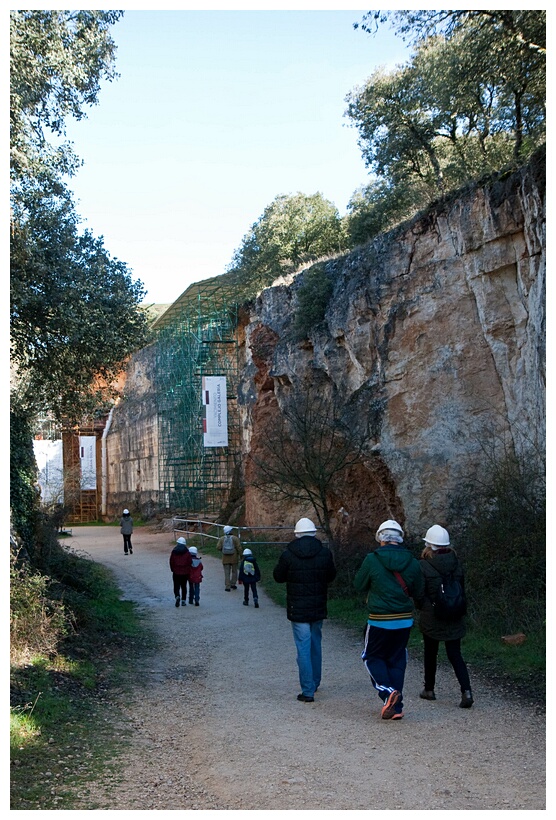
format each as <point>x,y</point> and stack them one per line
<point>195,576</point>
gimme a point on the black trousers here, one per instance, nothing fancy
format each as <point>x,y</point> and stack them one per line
<point>180,585</point>
<point>453,652</point>
<point>127,542</point>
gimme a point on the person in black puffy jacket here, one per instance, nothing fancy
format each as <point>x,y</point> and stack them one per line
<point>438,562</point>
<point>307,568</point>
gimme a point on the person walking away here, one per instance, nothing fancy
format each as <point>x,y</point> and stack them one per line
<point>391,577</point>
<point>126,529</point>
<point>195,576</point>
<point>249,574</point>
<point>440,622</point>
<point>307,568</point>
<point>180,564</point>
<point>230,547</point>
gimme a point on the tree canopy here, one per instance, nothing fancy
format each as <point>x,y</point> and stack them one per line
<point>470,101</point>
<point>75,311</point>
<point>292,230</point>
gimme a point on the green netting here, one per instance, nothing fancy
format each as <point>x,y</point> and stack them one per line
<point>197,338</point>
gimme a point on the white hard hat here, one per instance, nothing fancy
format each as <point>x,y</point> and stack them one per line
<point>193,550</point>
<point>438,536</point>
<point>247,551</point>
<point>388,525</point>
<point>126,512</point>
<point>181,540</point>
<point>304,525</point>
<point>227,530</point>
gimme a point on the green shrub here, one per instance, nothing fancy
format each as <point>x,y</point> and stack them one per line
<point>499,531</point>
<point>312,300</point>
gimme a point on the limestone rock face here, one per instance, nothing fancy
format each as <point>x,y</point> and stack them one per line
<point>433,342</point>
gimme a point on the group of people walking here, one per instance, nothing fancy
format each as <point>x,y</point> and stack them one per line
<point>394,582</point>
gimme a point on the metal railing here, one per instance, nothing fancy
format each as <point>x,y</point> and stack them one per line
<point>195,526</point>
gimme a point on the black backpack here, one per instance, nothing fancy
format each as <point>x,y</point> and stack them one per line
<point>449,603</point>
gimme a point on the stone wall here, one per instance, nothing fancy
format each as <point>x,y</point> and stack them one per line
<point>433,344</point>
<point>433,340</point>
<point>132,443</point>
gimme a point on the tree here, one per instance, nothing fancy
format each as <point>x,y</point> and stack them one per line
<point>492,62</point>
<point>57,60</point>
<point>305,452</point>
<point>292,230</point>
<point>75,311</point>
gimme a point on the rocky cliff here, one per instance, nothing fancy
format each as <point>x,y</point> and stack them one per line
<point>432,346</point>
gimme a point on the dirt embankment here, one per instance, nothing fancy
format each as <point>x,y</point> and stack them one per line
<point>214,722</point>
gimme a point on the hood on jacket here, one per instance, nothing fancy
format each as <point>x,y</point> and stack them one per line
<point>394,557</point>
<point>195,561</point>
<point>445,561</point>
<point>305,547</point>
<point>179,549</point>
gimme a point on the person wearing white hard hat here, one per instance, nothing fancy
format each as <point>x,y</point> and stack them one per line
<point>249,574</point>
<point>390,577</point>
<point>180,564</point>
<point>230,547</point>
<point>195,576</point>
<point>126,529</point>
<point>443,621</point>
<point>307,568</point>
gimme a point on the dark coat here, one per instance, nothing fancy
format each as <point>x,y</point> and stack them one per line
<point>445,561</point>
<point>249,579</point>
<point>306,567</point>
<point>386,598</point>
<point>180,560</point>
<point>126,524</point>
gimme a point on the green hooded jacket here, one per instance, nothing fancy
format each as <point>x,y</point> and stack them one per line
<point>385,597</point>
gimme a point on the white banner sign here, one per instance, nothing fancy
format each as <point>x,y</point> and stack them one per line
<point>88,460</point>
<point>215,420</point>
<point>49,458</point>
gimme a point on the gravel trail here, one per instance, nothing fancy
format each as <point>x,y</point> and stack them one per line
<point>215,723</point>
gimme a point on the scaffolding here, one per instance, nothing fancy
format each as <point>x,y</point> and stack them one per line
<point>196,337</point>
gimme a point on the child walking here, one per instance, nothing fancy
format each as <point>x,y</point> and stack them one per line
<point>195,576</point>
<point>180,564</point>
<point>249,574</point>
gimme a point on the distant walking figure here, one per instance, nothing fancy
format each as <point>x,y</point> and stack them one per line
<point>391,577</point>
<point>249,574</point>
<point>195,576</point>
<point>441,567</point>
<point>307,568</point>
<point>180,564</point>
<point>230,547</point>
<point>126,528</point>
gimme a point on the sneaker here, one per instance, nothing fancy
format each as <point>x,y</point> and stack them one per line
<point>466,699</point>
<point>397,716</point>
<point>130,551</point>
<point>389,707</point>
<point>125,552</point>
<point>177,600</point>
<point>227,589</point>
<point>305,698</point>
<point>184,603</point>
<point>234,586</point>
<point>246,603</point>
<point>196,603</point>
<point>256,604</point>
<point>427,694</point>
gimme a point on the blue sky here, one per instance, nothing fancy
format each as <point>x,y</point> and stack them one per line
<point>216,113</point>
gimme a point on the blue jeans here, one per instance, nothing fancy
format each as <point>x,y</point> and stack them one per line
<point>308,642</point>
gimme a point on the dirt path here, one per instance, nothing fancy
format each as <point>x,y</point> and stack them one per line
<point>215,723</point>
